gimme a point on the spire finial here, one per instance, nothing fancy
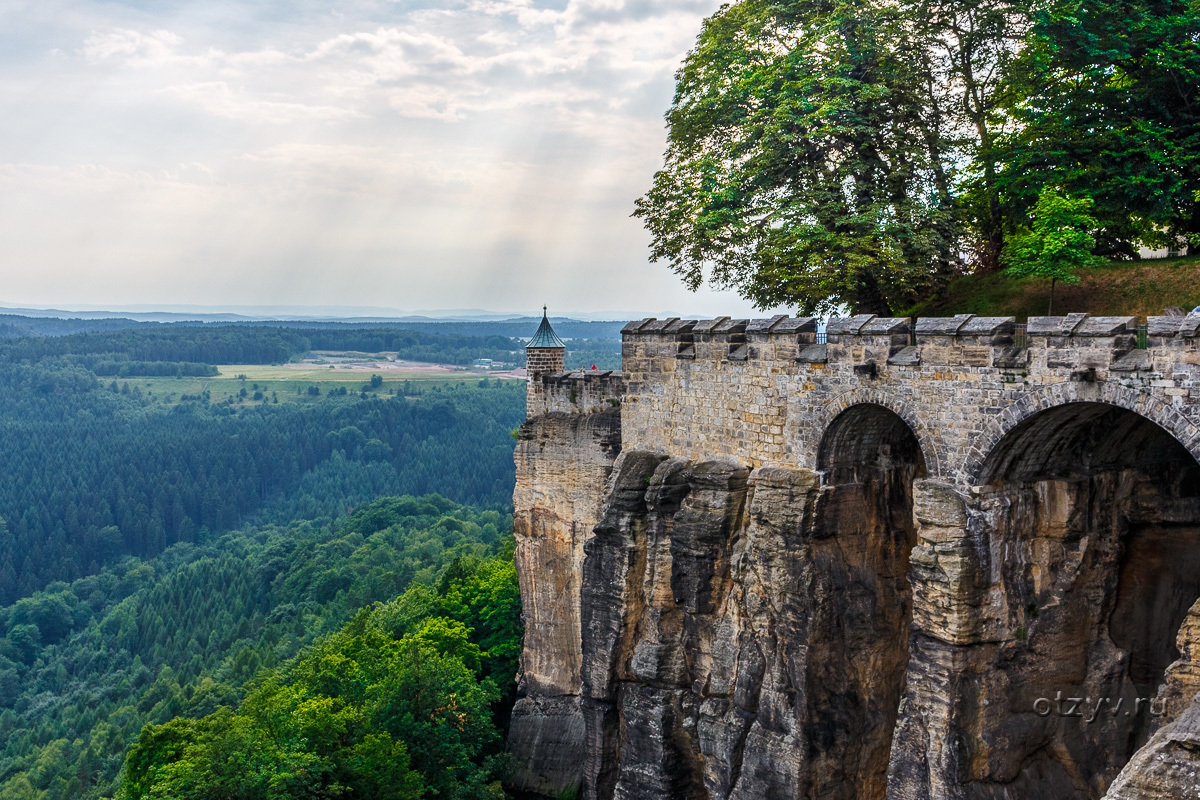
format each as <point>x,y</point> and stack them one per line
<point>543,309</point>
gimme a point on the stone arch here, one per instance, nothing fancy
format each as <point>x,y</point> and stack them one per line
<point>868,435</point>
<point>1085,519</point>
<point>861,534</point>
<point>1061,394</point>
<point>887,400</point>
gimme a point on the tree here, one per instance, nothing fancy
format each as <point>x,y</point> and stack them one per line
<point>1107,94</point>
<point>972,46</point>
<point>1057,244</point>
<point>806,163</point>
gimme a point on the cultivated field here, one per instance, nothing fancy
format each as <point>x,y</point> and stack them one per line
<point>290,383</point>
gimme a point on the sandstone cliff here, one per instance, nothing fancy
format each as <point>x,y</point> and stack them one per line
<point>563,463</point>
<point>958,569</point>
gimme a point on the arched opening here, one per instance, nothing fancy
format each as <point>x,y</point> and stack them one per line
<point>861,535</point>
<point>1090,516</point>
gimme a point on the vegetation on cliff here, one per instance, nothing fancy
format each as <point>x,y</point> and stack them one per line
<point>1142,288</point>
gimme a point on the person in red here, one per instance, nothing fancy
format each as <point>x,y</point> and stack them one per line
<point>593,366</point>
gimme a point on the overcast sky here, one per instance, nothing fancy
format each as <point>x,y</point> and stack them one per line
<point>416,155</point>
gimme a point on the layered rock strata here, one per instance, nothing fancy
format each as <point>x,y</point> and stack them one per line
<point>744,631</point>
<point>563,462</point>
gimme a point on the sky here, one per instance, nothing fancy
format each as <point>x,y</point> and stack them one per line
<point>421,154</point>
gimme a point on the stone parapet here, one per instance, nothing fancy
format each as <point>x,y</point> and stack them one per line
<point>1075,340</point>
<point>762,390</point>
<point>582,392</point>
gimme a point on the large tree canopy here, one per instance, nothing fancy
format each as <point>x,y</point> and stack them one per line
<point>803,166</point>
<point>849,153</point>
<point>1107,105</point>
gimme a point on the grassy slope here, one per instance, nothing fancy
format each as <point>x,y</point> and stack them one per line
<point>1144,288</point>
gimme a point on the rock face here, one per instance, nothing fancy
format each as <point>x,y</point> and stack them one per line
<point>759,565</point>
<point>563,463</point>
<point>744,632</point>
<point>1168,767</point>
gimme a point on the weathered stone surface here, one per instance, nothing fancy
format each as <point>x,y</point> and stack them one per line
<point>744,632</point>
<point>1168,767</point>
<point>853,570</point>
<point>563,462</point>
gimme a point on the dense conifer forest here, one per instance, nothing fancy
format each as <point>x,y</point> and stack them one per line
<point>311,598</point>
<point>91,472</point>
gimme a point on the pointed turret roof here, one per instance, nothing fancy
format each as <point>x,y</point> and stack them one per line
<point>545,336</point>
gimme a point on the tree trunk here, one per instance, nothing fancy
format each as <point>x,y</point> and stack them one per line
<point>870,299</point>
<point>1050,308</point>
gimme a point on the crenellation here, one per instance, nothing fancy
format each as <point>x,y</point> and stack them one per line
<point>745,388</point>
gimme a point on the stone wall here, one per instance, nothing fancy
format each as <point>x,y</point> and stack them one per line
<point>764,392</point>
<point>582,392</point>
<point>540,361</point>
<point>842,565</point>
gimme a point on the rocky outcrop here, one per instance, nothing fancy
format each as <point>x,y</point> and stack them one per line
<point>744,632</point>
<point>1168,767</point>
<point>563,462</point>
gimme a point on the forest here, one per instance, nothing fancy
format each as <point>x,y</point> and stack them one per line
<point>297,626</point>
<point>90,473</point>
<point>307,599</point>
<point>125,348</point>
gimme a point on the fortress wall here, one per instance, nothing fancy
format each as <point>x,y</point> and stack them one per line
<point>583,392</point>
<point>763,391</point>
<point>704,612</point>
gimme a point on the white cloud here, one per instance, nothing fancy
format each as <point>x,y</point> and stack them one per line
<point>441,152</point>
<point>133,48</point>
<point>216,97</point>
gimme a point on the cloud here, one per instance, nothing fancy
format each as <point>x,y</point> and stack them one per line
<point>132,48</point>
<point>439,150</point>
<point>216,97</point>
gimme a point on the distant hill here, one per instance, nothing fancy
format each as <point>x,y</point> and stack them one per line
<point>1143,288</point>
<point>14,325</point>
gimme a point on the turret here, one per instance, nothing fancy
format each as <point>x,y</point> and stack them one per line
<point>544,355</point>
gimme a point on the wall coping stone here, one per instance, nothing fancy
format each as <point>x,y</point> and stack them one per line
<point>731,326</point>
<point>658,325</point>
<point>885,326</point>
<point>796,325</point>
<point>1106,326</point>
<point>1054,326</point>
<point>942,326</point>
<point>1186,326</point>
<point>988,326</point>
<point>681,326</point>
<point>840,326</point>
<point>765,325</point>
<point>636,325</point>
<point>708,325</point>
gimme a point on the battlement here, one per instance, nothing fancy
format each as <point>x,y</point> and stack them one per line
<point>1074,340</point>
<point>762,390</point>
<point>582,392</point>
